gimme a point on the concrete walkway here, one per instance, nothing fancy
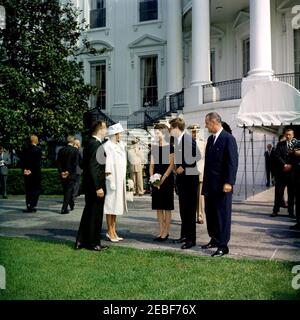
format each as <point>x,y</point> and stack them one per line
<point>254,233</point>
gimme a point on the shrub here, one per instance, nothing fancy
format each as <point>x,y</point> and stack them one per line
<point>50,182</point>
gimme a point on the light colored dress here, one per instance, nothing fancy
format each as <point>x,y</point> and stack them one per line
<point>116,163</point>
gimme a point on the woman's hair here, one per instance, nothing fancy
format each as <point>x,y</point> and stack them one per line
<point>163,128</point>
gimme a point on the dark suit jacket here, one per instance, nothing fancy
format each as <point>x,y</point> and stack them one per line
<point>269,159</point>
<point>221,163</point>
<point>93,166</point>
<point>67,160</point>
<point>31,159</point>
<point>281,157</point>
<point>187,154</point>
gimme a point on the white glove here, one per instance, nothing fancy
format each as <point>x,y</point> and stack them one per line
<point>111,183</point>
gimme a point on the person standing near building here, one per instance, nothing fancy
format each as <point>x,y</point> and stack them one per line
<point>4,163</point>
<point>115,171</point>
<point>194,129</point>
<point>136,160</point>
<point>90,227</point>
<point>220,169</point>
<point>296,178</point>
<point>162,163</point>
<point>31,164</point>
<point>186,155</point>
<point>77,145</point>
<point>283,173</point>
<point>269,164</point>
<point>67,162</point>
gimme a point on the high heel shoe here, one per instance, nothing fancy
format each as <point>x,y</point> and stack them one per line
<point>157,238</point>
<point>164,239</point>
<point>110,239</point>
<point>120,238</point>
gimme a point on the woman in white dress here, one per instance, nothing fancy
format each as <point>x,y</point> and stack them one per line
<point>115,170</point>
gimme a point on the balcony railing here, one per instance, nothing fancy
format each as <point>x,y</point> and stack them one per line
<point>222,91</point>
<point>177,101</point>
<point>291,78</point>
<point>98,18</point>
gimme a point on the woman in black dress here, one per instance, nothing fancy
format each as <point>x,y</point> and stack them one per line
<point>162,162</point>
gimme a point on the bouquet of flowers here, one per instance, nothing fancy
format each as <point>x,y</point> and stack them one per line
<point>155,180</point>
<point>129,190</point>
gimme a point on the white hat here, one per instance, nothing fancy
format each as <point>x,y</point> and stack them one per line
<point>114,129</point>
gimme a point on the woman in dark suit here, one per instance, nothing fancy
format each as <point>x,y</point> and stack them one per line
<point>162,162</point>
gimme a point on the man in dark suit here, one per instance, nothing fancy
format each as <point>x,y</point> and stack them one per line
<point>187,155</point>
<point>220,169</point>
<point>283,173</point>
<point>296,178</point>
<point>67,161</point>
<point>4,163</point>
<point>269,164</point>
<point>94,187</point>
<point>31,164</point>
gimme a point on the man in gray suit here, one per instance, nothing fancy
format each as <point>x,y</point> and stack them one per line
<point>4,163</point>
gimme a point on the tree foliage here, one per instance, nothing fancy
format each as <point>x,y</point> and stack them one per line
<point>42,90</point>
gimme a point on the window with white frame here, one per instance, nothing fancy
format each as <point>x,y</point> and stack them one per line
<point>98,79</point>
<point>149,87</point>
<point>246,56</point>
<point>213,65</point>
<point>148,10</point>
<point>98,14</point>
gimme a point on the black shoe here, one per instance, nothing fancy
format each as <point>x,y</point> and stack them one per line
<point>180,240</point>
<point>72,207</point>
<point>188,245</point>
<point>157,238</point>
<point>296,227</point>
<point>164,239</point>
<point>210,245</point>
<point>274,214</point>
<point>220,252</point>
<point>65,212</point>
<point>268,185</point>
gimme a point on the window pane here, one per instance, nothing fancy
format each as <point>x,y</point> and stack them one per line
<point>98,14</point>
<point>148,10</point>
<point>149,92</point>
<point>212,66</point>
<point>246,56</point>
<point>98,79</point>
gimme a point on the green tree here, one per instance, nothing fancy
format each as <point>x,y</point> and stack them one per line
<point>42,90</point>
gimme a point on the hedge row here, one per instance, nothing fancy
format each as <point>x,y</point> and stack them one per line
<point>50,182</point>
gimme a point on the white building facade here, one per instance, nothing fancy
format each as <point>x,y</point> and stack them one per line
<point>211,52</point>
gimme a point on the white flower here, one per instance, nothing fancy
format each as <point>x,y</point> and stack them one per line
<point>130,185</point>
<point>155,178</point>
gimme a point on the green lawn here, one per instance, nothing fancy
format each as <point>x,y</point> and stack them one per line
<point>53,270</point>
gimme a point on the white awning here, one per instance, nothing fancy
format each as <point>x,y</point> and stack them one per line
<point>268,106</point>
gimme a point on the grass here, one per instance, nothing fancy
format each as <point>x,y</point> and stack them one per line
<point>54,270</point>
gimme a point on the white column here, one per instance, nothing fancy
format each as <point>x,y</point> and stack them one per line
<point>200,42</point>
<point>260,39</point>
<point>174,47</point>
